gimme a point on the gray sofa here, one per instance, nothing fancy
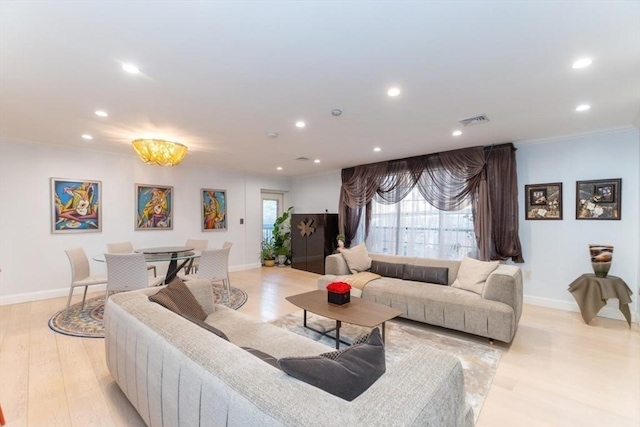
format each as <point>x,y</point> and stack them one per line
<point>176,373</point>
<point>494,314</point>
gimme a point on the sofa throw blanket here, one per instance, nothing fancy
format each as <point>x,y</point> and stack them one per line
<point>359,280</point>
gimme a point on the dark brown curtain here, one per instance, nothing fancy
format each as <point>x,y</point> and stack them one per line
<point>447,181</point>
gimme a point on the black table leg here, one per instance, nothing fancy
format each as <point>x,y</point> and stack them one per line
<point>338,324</point>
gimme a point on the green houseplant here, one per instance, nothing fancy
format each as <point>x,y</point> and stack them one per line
<point>268,252</point>
<point>282,237</point>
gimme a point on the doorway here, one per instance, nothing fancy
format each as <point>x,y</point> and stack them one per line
<point>272,208</point>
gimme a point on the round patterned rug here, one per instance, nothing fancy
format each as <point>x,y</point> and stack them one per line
<point>87,322</point>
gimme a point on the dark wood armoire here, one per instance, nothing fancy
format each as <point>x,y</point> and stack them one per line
<point>313,237</point>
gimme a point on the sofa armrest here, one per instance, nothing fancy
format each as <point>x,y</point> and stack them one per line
<point>336,265</point>
<point>505,285</point>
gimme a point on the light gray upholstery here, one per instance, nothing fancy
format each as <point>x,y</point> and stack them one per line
<point>176,373</point>
<point>494,315</point>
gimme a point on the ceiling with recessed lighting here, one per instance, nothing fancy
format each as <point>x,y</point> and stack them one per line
<point>252,86</point>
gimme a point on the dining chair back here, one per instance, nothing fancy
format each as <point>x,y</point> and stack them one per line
<point>197,245</point>
<point>227,245</point>
<point>81,274</point>
<point>126,248</point>
<point>127,272</point>
<point>214,266</point>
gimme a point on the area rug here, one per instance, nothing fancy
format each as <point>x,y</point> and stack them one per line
<point>479,361</point>
<point>87,322</point>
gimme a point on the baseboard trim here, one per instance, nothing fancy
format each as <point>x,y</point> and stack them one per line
<point>609,313</point>
<point>63,292</point>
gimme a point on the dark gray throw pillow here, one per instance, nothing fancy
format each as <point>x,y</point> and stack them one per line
<point>423,273</point>
<point>349,375</point>
<point>387,269</point>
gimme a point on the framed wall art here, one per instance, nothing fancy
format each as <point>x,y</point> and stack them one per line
<point>543,201</point>
<point>75,206</point>
<point>154,207</point>
<point>213,209</point>
<point>600,199</point>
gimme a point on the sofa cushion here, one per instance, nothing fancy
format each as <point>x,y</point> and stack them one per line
<point>357,258</point>
<point>207,326</point>
<point>473,274</point>
<point>353,371</point>
<point>424,273</point>
<point>387,269</point>
<point>179,299</point>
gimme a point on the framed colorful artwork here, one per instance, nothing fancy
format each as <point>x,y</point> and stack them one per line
<point>543,201</point>
<point>600,199</point>
<point>154,207</point>
<point>75,206</point>
<point>213,209</point>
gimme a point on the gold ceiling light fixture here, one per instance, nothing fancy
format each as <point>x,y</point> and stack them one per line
<point>160,151</point>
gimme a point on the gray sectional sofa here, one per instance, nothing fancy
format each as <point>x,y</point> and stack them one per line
<point>494,313</point>
<point>175,373</point>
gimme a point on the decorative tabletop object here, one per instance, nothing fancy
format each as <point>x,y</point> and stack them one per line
<point>340,238</point>
<point>339,293</point>
<point>601,256</point>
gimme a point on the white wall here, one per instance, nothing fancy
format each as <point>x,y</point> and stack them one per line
<point>556,252</point>
<point>317,193</point>
<point>32,259</point>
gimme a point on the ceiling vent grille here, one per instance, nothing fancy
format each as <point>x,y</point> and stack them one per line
<point>476,120</point>
<point>302,159</point>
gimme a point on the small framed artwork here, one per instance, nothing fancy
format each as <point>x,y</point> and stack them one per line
<point>543,201</point>
<point>213,209</point>
<point>154,207</point>
<point>75,206</point>
<point>600,199</point>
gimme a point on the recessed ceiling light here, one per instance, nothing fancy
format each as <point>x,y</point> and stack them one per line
<point>583,107</point>
<point>279,168</point>
<point>457,133</point>
<point>316,161</point>
<point>377,149</point>
<point>272,134</point>
<point>130,68</point>
<point>102,113</point>
<point>394,91</point>
<point>300,124</point>
<point>582,62</point>
<point>87,136</point>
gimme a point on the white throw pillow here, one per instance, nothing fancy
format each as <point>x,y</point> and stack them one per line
<point>473,274</point>
<point>357,258</point>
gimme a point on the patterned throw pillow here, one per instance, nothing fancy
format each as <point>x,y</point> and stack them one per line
<point>347,377</point>
<point>360,339</point>
<point>178,298</point>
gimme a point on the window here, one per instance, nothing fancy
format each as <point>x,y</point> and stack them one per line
<point>413,227</point>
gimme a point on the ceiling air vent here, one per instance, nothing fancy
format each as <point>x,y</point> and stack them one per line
<point>302,159</point>
<point>476,120</point>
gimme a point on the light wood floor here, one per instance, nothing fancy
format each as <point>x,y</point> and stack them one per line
<point>557,372</point>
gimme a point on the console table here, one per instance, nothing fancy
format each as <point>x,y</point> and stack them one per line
<point>591,294</point>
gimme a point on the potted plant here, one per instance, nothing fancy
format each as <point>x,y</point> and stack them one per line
<point>340,238</point>
<point>282,236</point>
<point>268,253</point>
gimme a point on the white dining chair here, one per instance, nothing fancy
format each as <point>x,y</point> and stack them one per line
<point>214,266</point>
<point>126,248</point>
<point>197,245</point>
<point>127,272</point>
<point>81,274</point>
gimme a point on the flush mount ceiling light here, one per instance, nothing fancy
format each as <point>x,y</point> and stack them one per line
<point>160,151</point>
<point>102,113</point>
<point>300,124</point>
<point>581,63</point>
<point>583,107</point>
<point>394,91</point>
<point>130,68</point>
<point>457,133</point>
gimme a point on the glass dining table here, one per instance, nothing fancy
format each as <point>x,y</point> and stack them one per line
<point>178,257</point>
